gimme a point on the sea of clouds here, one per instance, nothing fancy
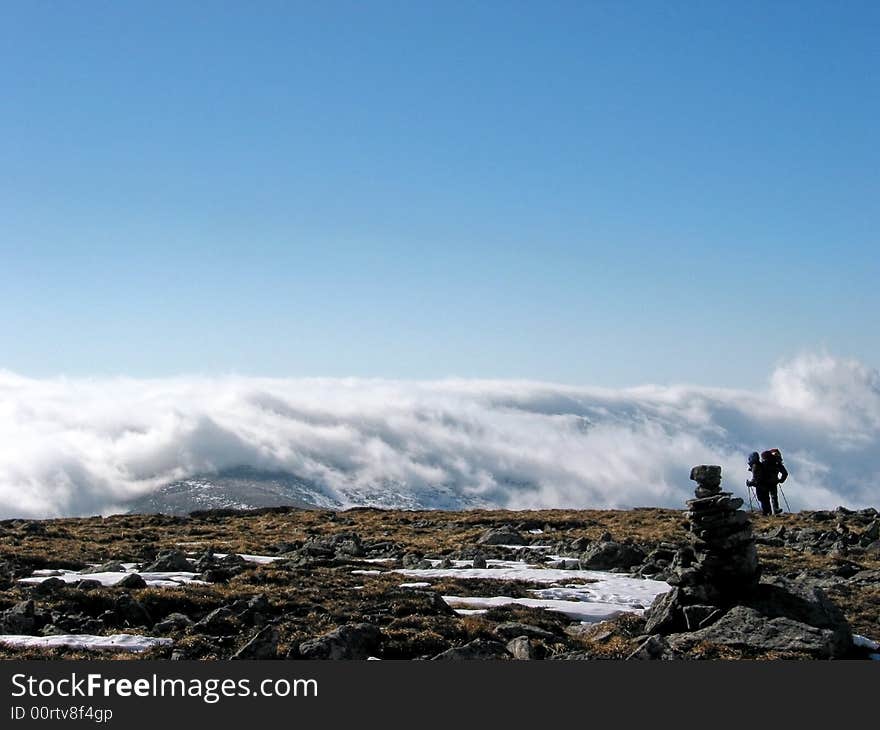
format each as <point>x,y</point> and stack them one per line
<point>87,446</point>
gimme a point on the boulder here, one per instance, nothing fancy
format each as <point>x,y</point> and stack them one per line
<point>132,581</point>
<point>20,619</point>
<point>745,628</point>
<point>173,622</point>
<point>476,649</point>
<point>111,567</point>
<point>170,561</point>
<point>352,641</point>
<point>521,648</point>
<point>609,555</point>
<point>220,622</point>
<point>666,615</point>
<point>264,645</point>
<point>653,648</point>
<point>89,585</point>
<point>512,630</point>
<point>501,536</point>
<point>49,586</point>
<point>131,612</point>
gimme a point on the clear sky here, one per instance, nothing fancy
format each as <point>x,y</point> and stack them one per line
<point>602,193</point>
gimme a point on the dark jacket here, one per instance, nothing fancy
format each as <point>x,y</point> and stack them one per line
<point>767,476</point>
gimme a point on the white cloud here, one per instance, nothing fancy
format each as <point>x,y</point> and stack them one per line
<point>82,446</point>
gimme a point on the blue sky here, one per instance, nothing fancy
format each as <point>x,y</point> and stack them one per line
<point>596,193</point>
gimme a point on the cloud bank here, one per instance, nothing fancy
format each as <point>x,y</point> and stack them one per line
<point>86,446</point>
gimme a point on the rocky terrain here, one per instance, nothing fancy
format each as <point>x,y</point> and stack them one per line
<point>279,583</point>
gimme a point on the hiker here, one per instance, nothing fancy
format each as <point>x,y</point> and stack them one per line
<point>767,475</point>
<point>754,468</point>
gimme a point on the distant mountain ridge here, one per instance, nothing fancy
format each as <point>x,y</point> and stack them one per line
<point>246,487</point>
<point>241,487</point>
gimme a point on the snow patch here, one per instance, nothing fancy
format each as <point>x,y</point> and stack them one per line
<point>114,642</point>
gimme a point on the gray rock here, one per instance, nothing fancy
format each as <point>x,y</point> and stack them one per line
<point>220,622</point>
<point>20,619</point>
<point>745,628</point>
<point>665,616</point>
<point>501,536</point>
<point>654,648</point>
<point>111,567</point>
<point>173,561</point>
<point>352,641</point>
<point>803,603</point>
<point>131,612</point>
<point>521,648</point>
<point>476,649</point>
<point>89,585</point>
<point>699,616</point>
<point>173,622</point>
<point>264,645</point>
<point>480,561</point>
<point>49,586</point>
<point>132,581</point>
<point>511,630</point>
<point>609,555</point>
<point>706,473</point>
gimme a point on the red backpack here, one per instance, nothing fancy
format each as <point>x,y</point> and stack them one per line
<point>772,456</point>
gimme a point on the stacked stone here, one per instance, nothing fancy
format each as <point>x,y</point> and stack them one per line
<point>725,557</point>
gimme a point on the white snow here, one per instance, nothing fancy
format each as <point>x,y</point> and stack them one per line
<point>415,585</point>
<point>366,572</point>
<point>583,595</point>
<point>577,610</point>
<point>259,559</point>
<point>115,642</point>
<point>53,572</point>
<point>158,580</point>
<point>602,586</point>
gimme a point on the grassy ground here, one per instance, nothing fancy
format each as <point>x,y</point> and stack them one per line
<point>307,601</point>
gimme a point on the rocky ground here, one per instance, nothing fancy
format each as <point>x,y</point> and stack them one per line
<point>308,603</point>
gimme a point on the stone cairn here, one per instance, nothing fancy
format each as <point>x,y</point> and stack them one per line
<point>724,563</point>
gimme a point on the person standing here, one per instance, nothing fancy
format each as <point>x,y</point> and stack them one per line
<point>771,472</point>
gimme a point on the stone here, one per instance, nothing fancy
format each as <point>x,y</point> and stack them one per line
<point>521,648</point>
<point>665,615</point>
<point>173,622</point>
<point>352,641</point>
<point>501,536</point>
<point>20,619</point>
<point>476,649</point>
<point>132,581</point>
<point>706,473</point>
<point>653,648</point>
<point>89,585</point>
<point>746,629</point>
<point>511,630</point>
<point>698,615</point>
<point>610,555</point>
<point>131,612</point>
<point>264,645</point>
<point>111,567</point>
<point>219,622</point>
<point>479,561</point>
<point>49,586</point>
<point>170,561</point>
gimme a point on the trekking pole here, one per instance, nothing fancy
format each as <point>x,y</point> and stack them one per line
<point>751,506</point>
<point>784,499</point>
